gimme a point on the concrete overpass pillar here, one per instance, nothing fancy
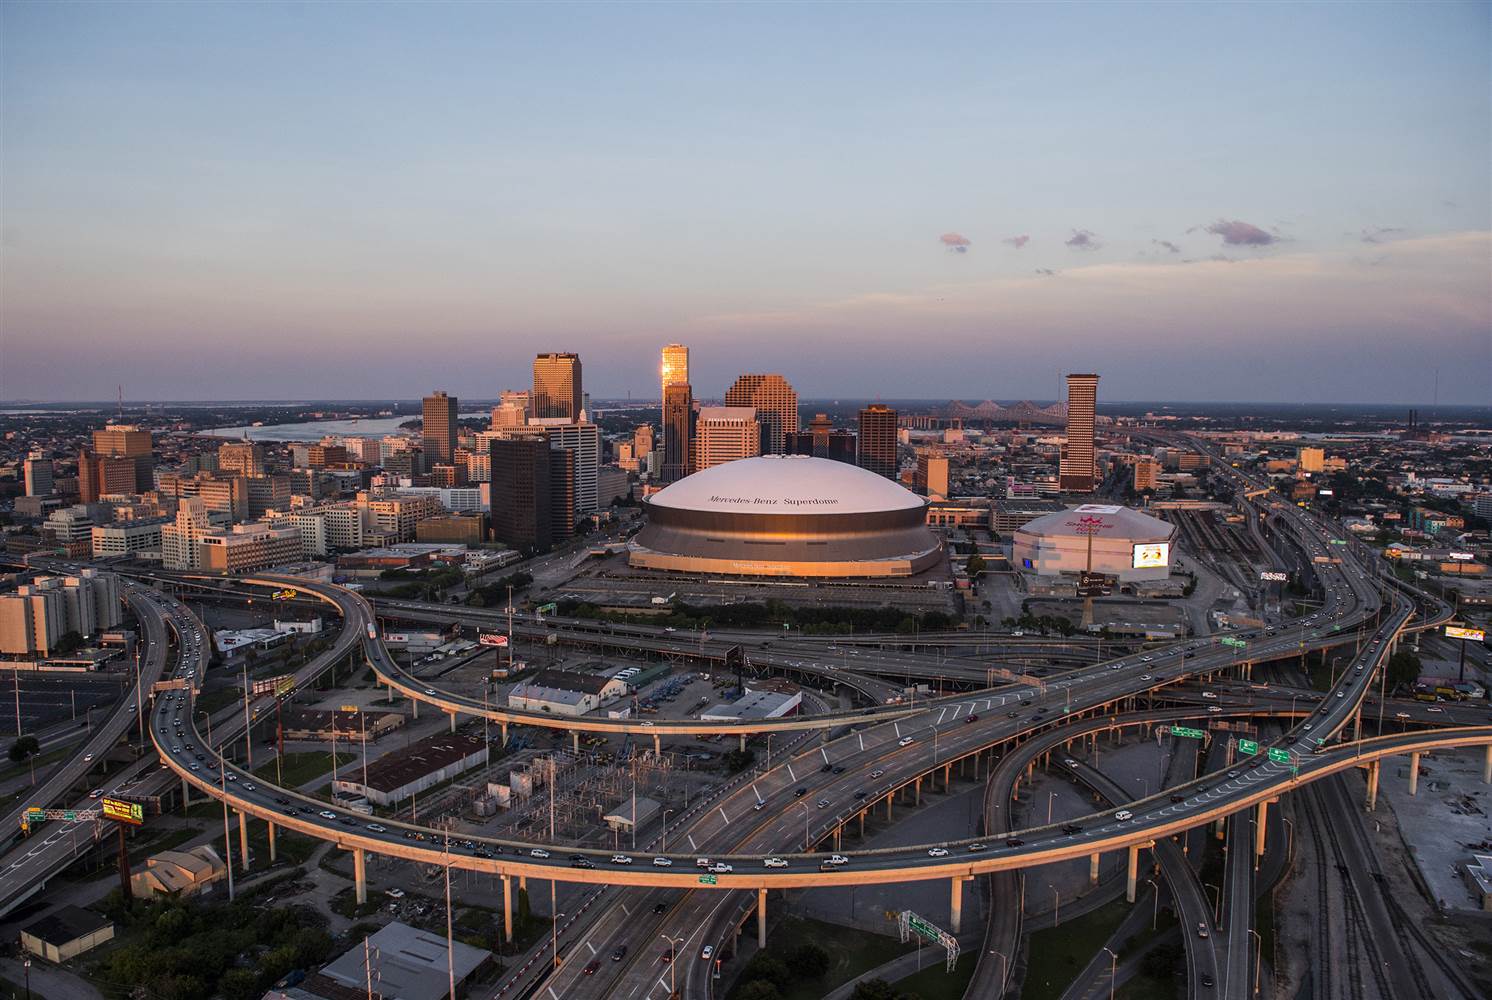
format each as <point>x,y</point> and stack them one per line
<point>917,791</point>
<point>743,742</point>
<point>523,883</point>
<point>416,703</point>
<point>391,694</point>
<point>360,874</point>
<point>1372,786</point>
<point>1414,774</point>
<point>1260,819</point>
<point>1357,725</point>
<point>947,779</point>
<point>889,796</point>
<point>574,737</point>
<point>862,823</point>
<point>761,917</point>
<point>453,722</point>
<point>243,838</point>
<point>504,726</point>
<point>508,908</point>
<point>838,836</point>
<point>186,795</point>
<point>1093,868</point>
<point>1487,766</point>
<point>955,904</point>
<point>1134,871</point>
<point>271,843</point>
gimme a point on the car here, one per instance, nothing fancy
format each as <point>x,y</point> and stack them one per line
<point>394,893</point>
<point>1207,980</point>
<point>620,859</point>
<point>1210,694</point>
<point>876,773</point>
<point>823,803</point>
<point>837,860</point>
<point>1201,929</point>
<point>538,852</point>
<point>825,866</point>
<point>378,828</point>
<point>1436,710</point>
<point>1071,829</point>
<point>1307,726</point>
<point>647,722</point>
<point>1146,677</point>
<point>96,793</point>
<point>906,741</point>
<point>937,852</point>
<point>1341,694</point>
<point>707,952</point>
<point>1177,797</point>
<point>760,805</point>
<point>582,863</point>
<point>1214,710</point>
<point>721,868</point>
<point>430,691</point>
<point>88,756</point>
<point>838,769</point>
<point>975,848</point>
<point>667,957</point>
<point>862,793</point>
<point>1401,715</point>
<point>826,768</point>
<point>703,862</point>
<point>1014,842</point>
<point>249,786</point>
<point>970,718</point>
<point>618,953</point>
<point>591,967</point>
<point>1070,762</point>
<point>327,814</point>
<point>774,863</point>
<point>1233,774</point>
<point>798,793</point>
<point>660,908</point>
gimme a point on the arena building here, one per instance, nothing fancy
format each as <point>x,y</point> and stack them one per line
<point>786,515</point>
<point>1126,544</point>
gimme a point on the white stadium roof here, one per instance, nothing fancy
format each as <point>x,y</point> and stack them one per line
<point>1101,521</point>
<point>787,484</point>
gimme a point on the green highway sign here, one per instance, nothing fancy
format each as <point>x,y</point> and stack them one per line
<point>1339,541</point>
<point>1248,746</point>
<point>1235,643</point>
<point>924,928</point>
<point>708,880</point>
<point>1279,756</point>
<point>547,609</point>
<point>1191,734</point>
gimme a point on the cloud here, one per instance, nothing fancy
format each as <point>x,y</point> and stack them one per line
<point>1238,233</point>
<point>1046,272</point>
<point>1377,233</point>
<point>1167,245</point>
<point>1083,240</point>
<point>1017,241</point>
<point>955,242</point>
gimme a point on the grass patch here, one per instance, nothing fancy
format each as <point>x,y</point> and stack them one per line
<point>296,769</point>
<point>290,848</point>
<point>1146,987</point>
<point>40,761</point>
<point>1058,954</point>
<point>932,983</point>
<point>11,989</point>
<point>852,952</point>
<point>213,702</point>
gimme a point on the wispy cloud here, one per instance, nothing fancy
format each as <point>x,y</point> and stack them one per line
<point>1378,234</point>
<point>955,242</point>
<point>1082,239</point>
<point>1240,233</point>
<point>1167,245</point>
<point>1017,241</point>
<point>1046,272</point>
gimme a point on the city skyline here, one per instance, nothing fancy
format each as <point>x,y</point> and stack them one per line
<point>953,183</point>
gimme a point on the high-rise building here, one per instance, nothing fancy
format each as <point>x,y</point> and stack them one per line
<point>88,484</point>
<point>563,476</point>
<point>439,430</point>
<point>678,432</point>
<point>877,441</point>
<point>557,394</point>
<point>725,433</point>
<point>1311,459</point>
<point>1147,474</point>
<point>38,475</point>
<point>179,549</point>
<point>127,441</point>
<point>642,440</point>
<point>675,367</point>
<point>241,458</point>
<point>821,440</point>
<point>246,547</point>
<point>522,507</point>
<point>34,619</point>
<point>585,440</point>
<point>776,406</point>
<point>1077,472</point>
<point>932,474</point>
<point>119,475</point>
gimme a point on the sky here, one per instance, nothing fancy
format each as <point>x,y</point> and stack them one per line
<point>1234,202</point>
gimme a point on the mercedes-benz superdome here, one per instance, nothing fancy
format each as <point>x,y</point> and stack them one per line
<point>1126,543</point>
<point>786,515</point>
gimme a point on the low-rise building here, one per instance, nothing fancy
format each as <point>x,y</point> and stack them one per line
<point>419,766</point>
<point>565,692</point>
<point>406,963</point>
<point>179,873</point>
<point>127,537</point>
<point>66,933</point>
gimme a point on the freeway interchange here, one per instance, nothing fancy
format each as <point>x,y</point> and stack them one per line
<point>783,827</point>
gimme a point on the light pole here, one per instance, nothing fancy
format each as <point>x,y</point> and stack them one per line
<point>1258,958</point>
<point>805,827</point>
<point>673,954</point>
<point>555,915</point>
<point>664,848</point>
<point>1004,965</point>
<point>1154,910</point>
<point>1145,784</point>
<point>1113,970</point>
<point>1049,797</point>
<point>1056,907</point>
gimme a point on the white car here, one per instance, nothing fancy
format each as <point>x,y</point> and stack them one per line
<point>394,893</point>
<point>706,952</point>
<point>1124,814</point>
<point>937,852</point>
<point>96,793</point>
<point>838,859</point>
<point>877,773</point>
<point>326,814</point>
<point>1210,694</point>
<point>620,859</point>
<point>538,852</point>
<point>662,863</point>
<point>760,805</point>
<point>774,863</point>
<point>721,868</point>
<point>905,741</point>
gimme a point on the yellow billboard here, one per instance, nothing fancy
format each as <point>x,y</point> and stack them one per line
<point>1469,634</point>
<point>1152,556</point>
<point>132,813</point>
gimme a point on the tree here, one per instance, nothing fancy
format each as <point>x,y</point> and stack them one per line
<point>808,961</point>
<point>69,642</point>
<point>976,565</point>
<point>765,967</point>
<point>24,747</point>
<point>758,989</point>
<point>1403,669</point>
<point>738,760</point>
<point>875,989</point>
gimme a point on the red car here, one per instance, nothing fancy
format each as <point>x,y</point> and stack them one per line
<point>667,956</point>
<point>590,970</point>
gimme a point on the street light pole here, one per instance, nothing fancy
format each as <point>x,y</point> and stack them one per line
<point>673,954</point>
<point>1113,970</point>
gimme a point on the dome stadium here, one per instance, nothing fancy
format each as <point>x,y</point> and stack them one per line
<point>1126,543</point>
<point>786,515</point>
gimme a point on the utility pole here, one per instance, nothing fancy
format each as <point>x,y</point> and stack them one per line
<point>248,734</point>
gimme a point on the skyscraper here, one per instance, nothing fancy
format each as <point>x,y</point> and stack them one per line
<point>38,475</point>
<point>1077,472</point>
<point>725,433</point>
<point>522,501</point>
<point>128,441</point>
<point>241,458</point>
<point>675,368</point>
<point>878,440</point>
<point>440,428</point>
<point>557,389</point>
<point>776,406</point>
<point>822,440</point>
<point>678,431</point>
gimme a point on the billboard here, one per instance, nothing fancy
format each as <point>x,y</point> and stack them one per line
<point>1461,556</point>
<point>1152,555</point>
<point>285,595</point>
<point>132,813</point>
<point>1272,576</point>
<point>492,639</point>
<point>1470,634</point>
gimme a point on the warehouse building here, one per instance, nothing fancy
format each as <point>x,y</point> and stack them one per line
<point>422,765</point>
<point>565,692</point>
